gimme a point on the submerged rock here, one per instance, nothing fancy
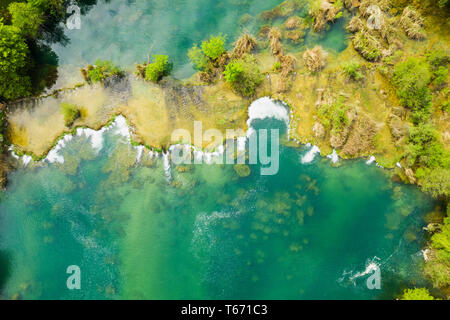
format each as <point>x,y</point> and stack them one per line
<point>242,170</point>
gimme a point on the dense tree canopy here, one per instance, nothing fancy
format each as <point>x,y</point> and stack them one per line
<point>14,82</point>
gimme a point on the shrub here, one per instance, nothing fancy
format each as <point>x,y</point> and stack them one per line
<point>435,182</point>
<point>334,116</point>
<point>101,70</point>
<point>367,45</point>
<point>417,294</point>
<point>159,68</point>
<point>438,267</point>
<point>353,71</point>
<point>438,58</point>
<point>276,66</point>
<point>26,17</point>
<point>198,58</point>
<point>440,76</point>
<point>214,47</point>
<point>70,112</point>
<point>315,58</point>
<point>424,147</point>
<point>411,78</point>
<point>243,75</point>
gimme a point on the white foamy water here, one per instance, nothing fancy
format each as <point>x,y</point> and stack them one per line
<point>95,136</point>
<point>167,166</point>
<point>121,127</point>
<point>333,156</point>
<point>310,155</point>
<point>140,150</point>
<point>370,266</point>
<point>266,108</point>
<point>26,159</point>
<point>371,160</point>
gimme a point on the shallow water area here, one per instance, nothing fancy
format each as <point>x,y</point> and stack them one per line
<point>140,227</point>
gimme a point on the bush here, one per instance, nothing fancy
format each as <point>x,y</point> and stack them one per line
<point>440,76</point>
<point>198,58</point>
<point>14,83</point>
<point>159,68</point>
<point>424,148</point>
<point>243,75</point>
<point>435,182</point>
<point>438,267</point>
<point>417,294</point>
<point>102,70</point>
<point>411,79</point>
<point>334,116</point>
<point>214,47</point>
<point>71,112</point>
<point>26,17</point>
<point>353,71</point>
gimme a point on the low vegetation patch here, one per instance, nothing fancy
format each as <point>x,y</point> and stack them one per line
<point>100,71</point>
<point>71,112</point>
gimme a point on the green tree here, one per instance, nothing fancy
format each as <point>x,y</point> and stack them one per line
<point>435,181</point>
<point>198,58</point>
<point>424,148</point>
<point>417,294</point>
<point>214,47</point>
<point>243,75</point>
<point>438,267</point>
<point>26,17</point>
<point>14,82</point>
<point>159,68</point>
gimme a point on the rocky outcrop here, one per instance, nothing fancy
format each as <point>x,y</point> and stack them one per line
<point>360,140</point>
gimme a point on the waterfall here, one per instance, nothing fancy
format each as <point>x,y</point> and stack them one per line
<point>167,166</point>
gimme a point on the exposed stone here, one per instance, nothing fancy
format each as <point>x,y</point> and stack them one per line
<point>319,130</point>
<point>361,137</point>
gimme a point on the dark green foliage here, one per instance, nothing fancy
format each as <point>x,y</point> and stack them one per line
<point>411,79</point>
<point>101,70</point>
<point>71,112</point>
<point>440,76</point>
<point>26,17</point>
<point>435,181</point>
<point>21,23</point>
<point>198,58</point>
<point>424,148</point>
<point>214,47</point>
<point>14,82</point>
<point>243,75</point>
<point>438,58</point>
<point>334,116</point>
<point>417,294</point>
<point>159,68</point>
<point>438,268</point>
